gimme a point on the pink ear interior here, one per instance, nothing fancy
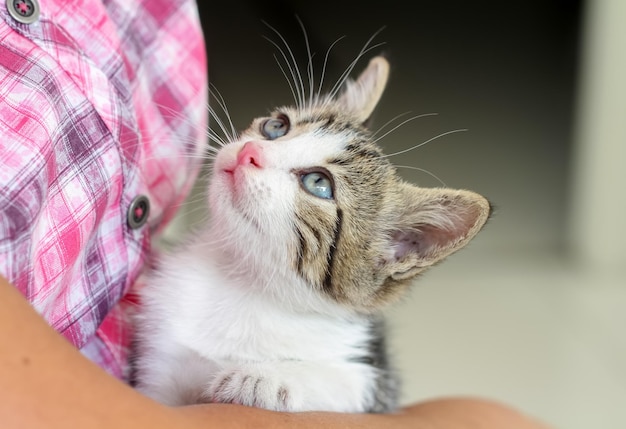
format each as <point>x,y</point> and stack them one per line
<point>406,242</point>
<point>423,243</point>
<point>427,241</point>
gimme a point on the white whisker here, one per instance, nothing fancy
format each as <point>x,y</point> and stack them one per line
<point>431,174</point>
<point>310,63</point>
<point>319,89</point>
<point>228,132</point>
<point>222,103</point>
<point>346,74</point>
<point>426,142</point>
<point>212,133</point>
<point>400,124</point>
<point>389,122</point>
<point>282,69</point>
<point>296,88</point>
<point>298,77</point>
<point>178,115</point>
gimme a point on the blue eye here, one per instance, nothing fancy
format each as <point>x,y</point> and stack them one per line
<point>317,184</point>
<point>275,127</point>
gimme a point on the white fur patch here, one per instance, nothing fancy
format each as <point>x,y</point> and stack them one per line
<point>207,337</point>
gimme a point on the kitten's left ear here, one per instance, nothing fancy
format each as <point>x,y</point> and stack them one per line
<point>431,224</point>
<point>361,96</point>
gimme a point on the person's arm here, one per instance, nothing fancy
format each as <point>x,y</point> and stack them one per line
<point>46,383</point>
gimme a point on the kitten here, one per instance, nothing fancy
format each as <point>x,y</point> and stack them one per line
<point>277,302</point>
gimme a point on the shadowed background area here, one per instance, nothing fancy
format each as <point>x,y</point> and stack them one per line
<point>505,73</point>
<point>518,316</point>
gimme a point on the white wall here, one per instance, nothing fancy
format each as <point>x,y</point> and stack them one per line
<point>598,208</point>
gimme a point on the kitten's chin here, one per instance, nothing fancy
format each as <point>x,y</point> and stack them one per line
<point>229,206</point>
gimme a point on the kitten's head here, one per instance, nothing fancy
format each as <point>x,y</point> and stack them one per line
<point>306,195</point>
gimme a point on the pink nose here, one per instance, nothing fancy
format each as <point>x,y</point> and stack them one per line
<point>251,154</point>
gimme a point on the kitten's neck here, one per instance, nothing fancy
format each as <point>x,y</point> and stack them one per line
<point>246,276</point>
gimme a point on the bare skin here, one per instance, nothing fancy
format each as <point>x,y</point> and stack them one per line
<point>47,383</point>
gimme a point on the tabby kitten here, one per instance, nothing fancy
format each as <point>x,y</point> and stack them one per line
<point>277,301</point>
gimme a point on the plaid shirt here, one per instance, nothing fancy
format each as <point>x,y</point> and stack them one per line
<point>100,101</point>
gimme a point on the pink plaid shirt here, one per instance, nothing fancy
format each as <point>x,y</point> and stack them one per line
<point>100,102</point>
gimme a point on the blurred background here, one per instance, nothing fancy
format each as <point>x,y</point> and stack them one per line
<point>532,312</point>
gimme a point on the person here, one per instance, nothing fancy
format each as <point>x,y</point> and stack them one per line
<point>102,119</point>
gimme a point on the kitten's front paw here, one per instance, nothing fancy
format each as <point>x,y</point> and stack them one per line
<point>247,388</point>
<point>294,386</point>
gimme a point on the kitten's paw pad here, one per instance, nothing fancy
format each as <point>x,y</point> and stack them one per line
<point>251,390</point>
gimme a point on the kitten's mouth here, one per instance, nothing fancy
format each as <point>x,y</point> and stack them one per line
<point>231,176</point>
<point>235,175</point>
<point>235,184</point>
<point>229,171</point>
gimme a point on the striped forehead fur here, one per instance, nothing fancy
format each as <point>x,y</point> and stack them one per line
<point>333,241</point>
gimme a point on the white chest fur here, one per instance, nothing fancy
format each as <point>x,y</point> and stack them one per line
<point>204,337</point>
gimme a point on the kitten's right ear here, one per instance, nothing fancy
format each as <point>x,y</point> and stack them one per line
<point>431,224</point>
<point>361,96</point>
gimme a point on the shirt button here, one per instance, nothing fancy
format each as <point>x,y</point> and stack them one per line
<point>24,11</point>
<point>138,211</point>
